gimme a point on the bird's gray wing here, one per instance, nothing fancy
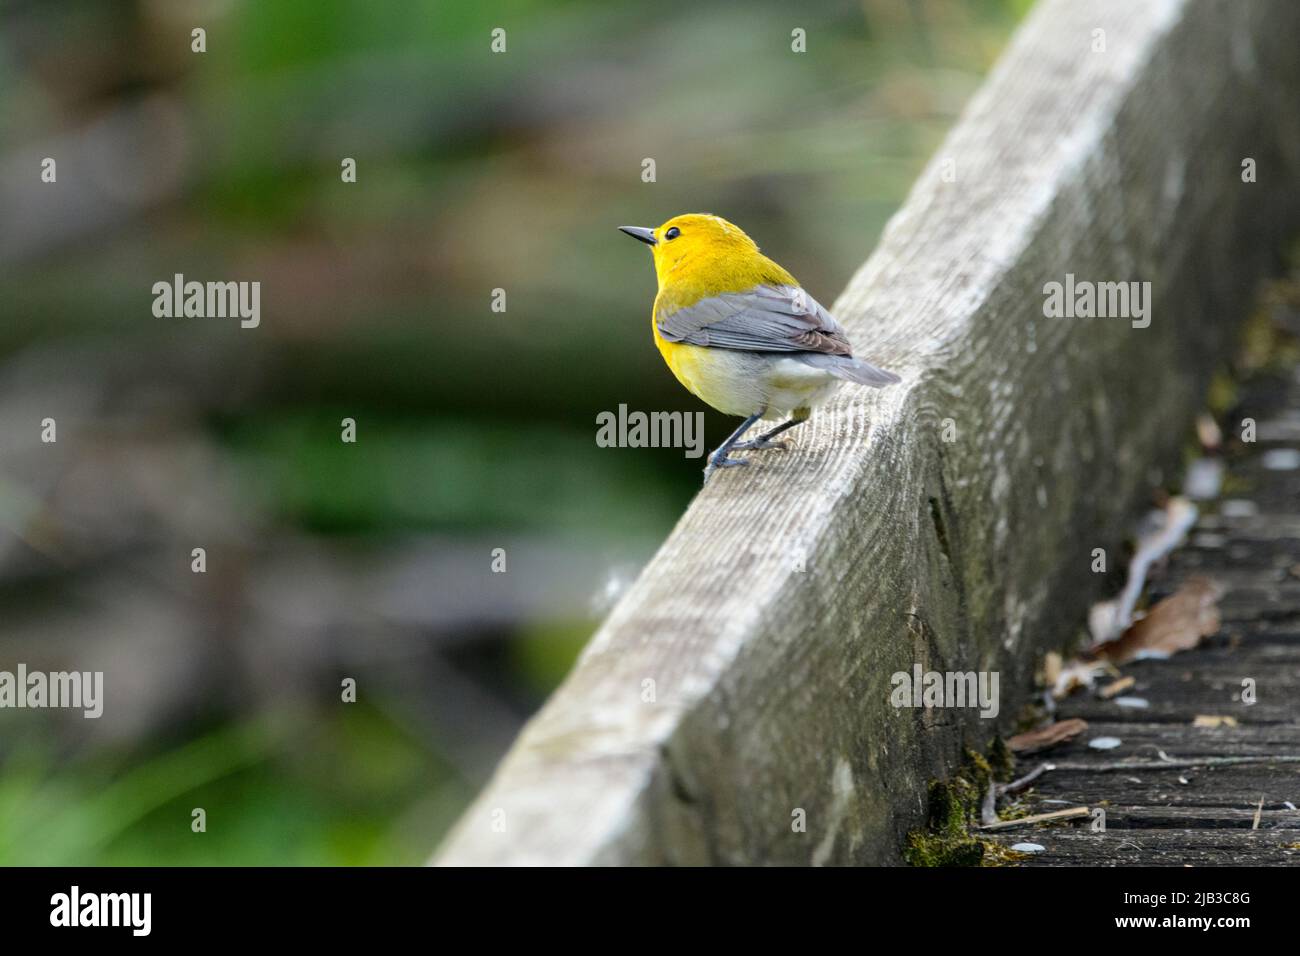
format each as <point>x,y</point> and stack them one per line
<point>767,318</point>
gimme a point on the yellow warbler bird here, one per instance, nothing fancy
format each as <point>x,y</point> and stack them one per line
<point>739,332</point>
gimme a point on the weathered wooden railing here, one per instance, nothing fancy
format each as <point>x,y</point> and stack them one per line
<point>744,682</point>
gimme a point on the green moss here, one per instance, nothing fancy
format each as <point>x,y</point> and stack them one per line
<point>979,769</point>
<point>947,812</point>
<point>928,849</point>
<point>995,854</point>
<point>1002,760</point>
<point>1015,811</point>
<point>1264,344</point>
<point>952,807</point>
<point>944,841</point>
<point>1222,395</point>
<point>1236,486</point>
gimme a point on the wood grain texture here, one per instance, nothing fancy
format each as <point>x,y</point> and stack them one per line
<point>772,683</point>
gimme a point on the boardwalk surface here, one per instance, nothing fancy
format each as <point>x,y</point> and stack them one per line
<point>1175,793</point>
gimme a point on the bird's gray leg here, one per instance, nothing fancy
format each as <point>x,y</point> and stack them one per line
<point>765,440</point>
<point>719,458</point>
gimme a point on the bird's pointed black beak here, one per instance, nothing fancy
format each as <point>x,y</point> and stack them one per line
<point>640,232</point>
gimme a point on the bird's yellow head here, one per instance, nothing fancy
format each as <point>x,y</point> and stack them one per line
<point>697,244</point>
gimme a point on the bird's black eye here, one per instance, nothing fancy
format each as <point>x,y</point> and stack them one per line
<point>672,233</point>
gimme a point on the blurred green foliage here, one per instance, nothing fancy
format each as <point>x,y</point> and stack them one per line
<point>347,790</point>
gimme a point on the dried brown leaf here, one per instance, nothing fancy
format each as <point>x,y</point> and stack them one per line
<point>1116,688</point>
<point>1032,741</point>
<point>1108,619</point>
<point>1175,624</point>
<point>1214,720</point>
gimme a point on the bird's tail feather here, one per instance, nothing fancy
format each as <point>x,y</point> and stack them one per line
<point>852,370</point>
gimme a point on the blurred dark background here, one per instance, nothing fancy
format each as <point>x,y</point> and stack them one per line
<point>475,429</point>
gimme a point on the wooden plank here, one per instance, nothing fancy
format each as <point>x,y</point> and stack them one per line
<point>1159,847</point>
<point>1213,788</point>
<point>1141,741</point>
<point>769,624</point>
<point>1039,819</point>
<point>1240,778</point>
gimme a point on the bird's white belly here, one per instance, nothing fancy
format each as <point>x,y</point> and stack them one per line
<point>790,384</point>
<point>741,383</point>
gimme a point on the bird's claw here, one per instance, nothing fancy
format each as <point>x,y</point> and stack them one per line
<point>760,444</point>
<point>716,463</point>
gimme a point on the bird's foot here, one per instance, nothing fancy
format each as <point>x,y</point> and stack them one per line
<point>721,461</point>
<point>760,444</point>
